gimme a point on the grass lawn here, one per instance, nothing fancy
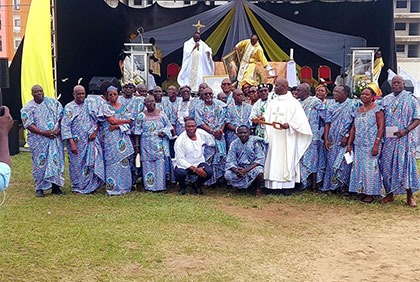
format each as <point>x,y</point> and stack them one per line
<point>222,236</point>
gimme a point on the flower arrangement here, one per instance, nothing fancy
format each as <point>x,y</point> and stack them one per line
<point>360,83</point>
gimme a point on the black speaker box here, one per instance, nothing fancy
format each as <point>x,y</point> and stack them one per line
<point>386,86</point>
<point>4,73</point>
<point>14,139</point>
<point>96,81</point>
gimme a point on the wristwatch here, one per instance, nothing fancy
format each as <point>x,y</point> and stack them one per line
<point>347,135</point>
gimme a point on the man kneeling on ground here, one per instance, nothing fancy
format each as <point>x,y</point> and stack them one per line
<point>245,161</point>
<point>189,157</point>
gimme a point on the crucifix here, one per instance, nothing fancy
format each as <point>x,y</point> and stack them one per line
<point>198,25</point>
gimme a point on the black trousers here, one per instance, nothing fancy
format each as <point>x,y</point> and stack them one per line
<point>181,174</point>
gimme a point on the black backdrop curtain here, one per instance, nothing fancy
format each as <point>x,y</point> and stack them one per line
<point>91,36</point>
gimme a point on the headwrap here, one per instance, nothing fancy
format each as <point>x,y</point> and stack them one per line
<point>112,88</point>
<point>265,85</point>
<point>375,88</point>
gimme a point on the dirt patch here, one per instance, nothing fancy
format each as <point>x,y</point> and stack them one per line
<point>339,244</point>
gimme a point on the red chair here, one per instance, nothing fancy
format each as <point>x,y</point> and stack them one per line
<point>324,75</point>
<point>306,75</point>
<point>172,69</point>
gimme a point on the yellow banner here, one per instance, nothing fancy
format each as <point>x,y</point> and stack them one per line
<point>215,39</point>
<point>37,54</point>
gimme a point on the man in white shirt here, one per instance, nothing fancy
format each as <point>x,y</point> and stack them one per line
<point>6,123</point>
<point>189,157</point>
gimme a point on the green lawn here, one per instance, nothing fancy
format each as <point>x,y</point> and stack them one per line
<point>222,236</point>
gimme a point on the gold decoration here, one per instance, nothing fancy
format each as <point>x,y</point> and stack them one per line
<point>198,25</point>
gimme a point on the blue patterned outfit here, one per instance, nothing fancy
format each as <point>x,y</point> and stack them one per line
<point>310,162</point>
<point>322,162</point>
<point>87,171</point>
<point>171,108</point>
<point>135,106</point>
<point>242,156</point>
<point>236,116</point>
<point>339,115</point>
<point>117,151</point>
<point>365,175</point>
<point>47,154</point>
<point>154,150</point>
<point>214,116</point>
<point>195,102</point>
<point>258,109</point>
<point>398,160</point>
<point>184,110</point>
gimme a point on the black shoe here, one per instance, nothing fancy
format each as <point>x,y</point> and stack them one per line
<point>56,190</point>
<point>39,193</point>
<point>199,191</point>
<point>286,192</point>
<point>182,191</point>
<point>195,187</point>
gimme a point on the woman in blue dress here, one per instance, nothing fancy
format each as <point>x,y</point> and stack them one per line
<point>117,145</point>
<point>366,134</point>
<point>152,132</point>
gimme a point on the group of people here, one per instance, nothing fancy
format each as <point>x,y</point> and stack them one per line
<point>249,138</point>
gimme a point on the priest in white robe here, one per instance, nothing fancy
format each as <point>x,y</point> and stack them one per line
<point>287,144</point>
<point>196,62</point>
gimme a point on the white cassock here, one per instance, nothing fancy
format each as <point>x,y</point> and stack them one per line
<point>195,64</point>
<point>286,146</point>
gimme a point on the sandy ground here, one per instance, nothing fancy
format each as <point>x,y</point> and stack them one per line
<point>338,243</point>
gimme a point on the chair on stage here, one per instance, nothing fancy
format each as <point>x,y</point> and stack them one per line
<point>306,75</point>
<point>172,69</point>
<point>324,74</point>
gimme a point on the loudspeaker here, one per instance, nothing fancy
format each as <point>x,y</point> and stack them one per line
<point>96,81</point>
<point>386,86</point>
<point>14,139</point>
<point>4,73</point>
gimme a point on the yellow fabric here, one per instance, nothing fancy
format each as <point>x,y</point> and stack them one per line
<point>274,52</point>
<point>250,56</point>
<point>378,64</point>
<point>37,54</point>
<point>155,66</point>
<point>215,39</point>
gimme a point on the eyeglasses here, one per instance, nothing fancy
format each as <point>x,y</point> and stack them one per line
<point>252,91</point>
<point>226,84</point>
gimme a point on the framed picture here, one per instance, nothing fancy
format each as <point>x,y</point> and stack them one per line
<point>362,67</point>
<point>231,62</point>
<point>214,82</point>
